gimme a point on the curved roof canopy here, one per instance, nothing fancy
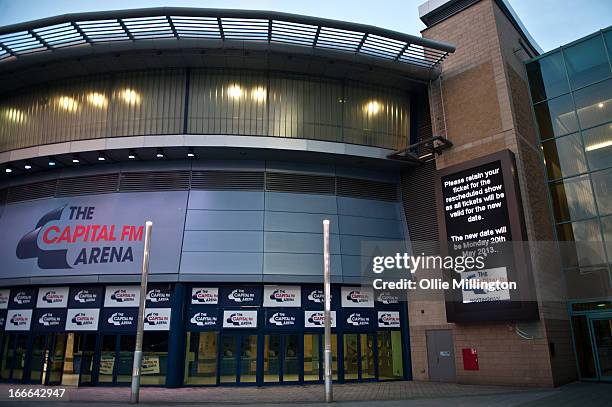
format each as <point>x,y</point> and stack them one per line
<point>156,27</point>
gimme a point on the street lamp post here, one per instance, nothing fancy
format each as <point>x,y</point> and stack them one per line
<point>327,360</point>
<point>141,315</point>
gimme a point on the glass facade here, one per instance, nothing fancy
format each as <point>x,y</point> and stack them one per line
<point>571,91</point>
<point>224,102</point>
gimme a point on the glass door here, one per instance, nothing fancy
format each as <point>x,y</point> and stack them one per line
<point>13,357</point>
<point>281,358</point>
<point>238,358</point>
<point>78,359</point>
<point>601,328</point>
<point>359,356</point>
<point>38,358</point>
<point>116,359</point>
<point>313,360</point>
<point>125,359</point>
<point>55,359</point>
<point>108,351</point>
<point>201,363</point>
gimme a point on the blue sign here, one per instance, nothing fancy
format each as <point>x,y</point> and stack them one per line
<point>159,297</point>
<point>241,296</point>
<point>284,319</point>
<point>22,298</point>
<point>388,299</point>
<point>119,320</point>
<point>358,320</point>
<point>203,319</point>
<point>86,297</point>
<point>89,235</point>
<point>49,320</point>
<point>312,297</point>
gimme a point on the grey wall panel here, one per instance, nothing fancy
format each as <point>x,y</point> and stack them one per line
<point>226,200</point>
<point>352,244</point>
<point>299,222</point>
<point>286,202</point>
<point>283,242</point>
<point>229,165</point>
<point>354,225</point>
<point>369,208</point>
<point>224,220</point>
<point>221,263</point>
<point>299,264</point>
<point>286,166</point>
<point>283,278</point>
<point>352,266</point>
<point>353,172</point>
<point>221,278</point>
<point>222,241</point>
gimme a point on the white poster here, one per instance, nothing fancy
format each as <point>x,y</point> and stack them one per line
<point>157,319</point>
<point>357,297</point>
<point>388,319</point>
<point>4,297</point>
<point>18,320</point>
<point>122,296</point>
<point>82,319</point>
<point>52,297</point>
<point>239,319</point>
<point>282,296</point>
<point>107,362</point>
<point>204,296</point>
<point>150,365</point>
<point>472,291</point>
<point>316,319</point>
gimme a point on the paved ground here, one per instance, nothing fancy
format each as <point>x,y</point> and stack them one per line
<point>390,394</point>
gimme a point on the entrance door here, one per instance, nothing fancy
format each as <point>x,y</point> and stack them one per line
<point>47,358</point>
<point>79,359</point>
<point>601,328</point>
<point>359,356</point>
<point>116,359</point>
<point>238,358</point>
<point>281,358</point>
<point>13,357</point>
<point>441,355</point>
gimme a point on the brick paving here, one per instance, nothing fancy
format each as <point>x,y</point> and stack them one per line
<point>389,394</point>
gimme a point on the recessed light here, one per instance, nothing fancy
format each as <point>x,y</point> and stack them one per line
<point>27,166</point>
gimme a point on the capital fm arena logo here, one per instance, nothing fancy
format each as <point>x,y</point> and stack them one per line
<point>69,236</point>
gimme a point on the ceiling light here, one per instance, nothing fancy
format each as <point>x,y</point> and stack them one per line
<point>597,146</point>
<point>372,107</point>
<point>51,162</point>
<point>67,103</point>
<point>97,99</point>
<point>130,96</point>
<point>190,153</point>
<point>234,91</point>
<point>132,155</point>
<point>27,166</point>
<point>259,94</point>
<point>600,105</point>
<point>101,157</point>
<point>8,170</point>
<point>14,115</point>
<point>160,153</point>
<point>75,159</point>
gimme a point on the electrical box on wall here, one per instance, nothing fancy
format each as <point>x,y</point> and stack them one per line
<point>470,359</point>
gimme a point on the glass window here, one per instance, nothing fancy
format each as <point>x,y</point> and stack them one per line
<point>312,358</point>
<point>587,62</point>
<point>598,146</point>
<point>390,361</point>
<point>201,358</point>
<point>573,199</point>
<point>581,244</point>
<point>564,156</point>
<point>602,184</point>
<point>594,104</point>
<point>248,359</point>
<point>556,117</point>
<point>608,40</point>
<point>272,357</point>
<point>154,358</point>
<point>547,77</point>
<point>606,224</point>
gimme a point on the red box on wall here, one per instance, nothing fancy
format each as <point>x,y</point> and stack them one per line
<point>470,359</point>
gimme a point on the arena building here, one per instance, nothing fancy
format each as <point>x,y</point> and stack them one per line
<point>237,132</point>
